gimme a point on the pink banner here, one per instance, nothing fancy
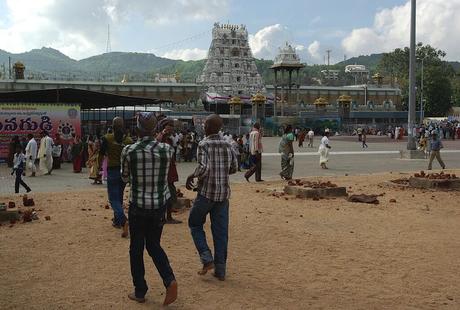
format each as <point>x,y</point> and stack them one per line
<point>21,119</point>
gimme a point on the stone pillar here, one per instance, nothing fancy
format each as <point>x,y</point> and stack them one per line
<point>282,92</point>
<point>276,93</point>
<point>298,93</point>
<point>289,89</point>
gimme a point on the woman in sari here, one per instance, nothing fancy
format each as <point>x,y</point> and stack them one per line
<point>94,162</point>
<point>301,137</point>
<point>77,151</point>
<point>286,150</point>
<point>324,150</point>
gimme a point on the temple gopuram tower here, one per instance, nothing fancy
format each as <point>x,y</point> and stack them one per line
<point>230,69</point>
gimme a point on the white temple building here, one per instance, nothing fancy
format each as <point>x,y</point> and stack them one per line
<point>230,69</point>
<point>287,56</point>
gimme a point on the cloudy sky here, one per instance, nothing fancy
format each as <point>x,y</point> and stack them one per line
<point>181,29</point>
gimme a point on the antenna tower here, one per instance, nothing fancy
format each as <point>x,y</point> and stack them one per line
<point>328,57</point>
<point>109,45</point>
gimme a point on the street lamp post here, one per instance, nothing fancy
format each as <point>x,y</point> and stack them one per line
<point>421,95</point>
<point>411,145</point>
<point>365,95</point>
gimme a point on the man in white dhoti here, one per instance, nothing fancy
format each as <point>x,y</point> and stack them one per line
<point>45,153</point>
<point>31,154</point>
<point>324,150</point>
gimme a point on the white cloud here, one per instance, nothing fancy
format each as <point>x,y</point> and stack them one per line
<point>314,49</point>
<point>78,28</point>
<point>437,25</point>
<point>265,42</point>
<point>315,20</point>
<point>186,54</point>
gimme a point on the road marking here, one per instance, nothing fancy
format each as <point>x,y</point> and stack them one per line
<point>350,153</point>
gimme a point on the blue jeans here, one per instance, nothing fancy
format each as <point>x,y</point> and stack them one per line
<point>219,226</point>
<point>145,229</point>
<point>115,189</point>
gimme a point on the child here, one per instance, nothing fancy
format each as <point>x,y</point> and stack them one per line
<point>18,168</point>
<point>363,138</point>
<point>423,145</point>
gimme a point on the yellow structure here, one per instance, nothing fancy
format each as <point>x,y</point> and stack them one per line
<point>344,103</point>
<point>19,69</point>
<point>378,79</point>
<point>235,105</point>
<point>345,99</point>
<point>320,104</point>
<point>258,106</point>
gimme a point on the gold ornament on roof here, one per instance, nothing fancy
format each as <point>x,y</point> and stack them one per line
<point>258,98</point>
<point>345,99</point>
<point>19,65</point>
<point>320,101</point>
<point>235,101</point>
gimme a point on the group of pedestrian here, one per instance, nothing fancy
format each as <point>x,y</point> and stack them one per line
<point>302,134</point>
<point>25,156</point>
<point>148,166</point>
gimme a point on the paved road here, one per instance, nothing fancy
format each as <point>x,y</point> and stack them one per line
<point>347,158</point>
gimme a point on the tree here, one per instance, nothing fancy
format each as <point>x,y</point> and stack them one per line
<point>437,91</point>
<point>437,79</point>
<point>456,90</point>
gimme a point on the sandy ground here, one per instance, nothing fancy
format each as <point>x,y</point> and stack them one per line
<point>283,254</point>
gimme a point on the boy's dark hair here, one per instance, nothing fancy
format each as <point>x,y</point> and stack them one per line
<point>288,129</point>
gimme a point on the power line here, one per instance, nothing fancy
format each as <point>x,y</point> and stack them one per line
<point>176,43</point>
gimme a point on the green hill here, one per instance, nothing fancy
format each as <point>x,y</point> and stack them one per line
<point>49,63</point>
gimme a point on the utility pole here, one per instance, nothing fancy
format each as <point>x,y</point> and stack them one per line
<point>328,64</point>
<point>9,68</point>
<point>421,96</point>
<point>411,145</point>
<point>109,45</point>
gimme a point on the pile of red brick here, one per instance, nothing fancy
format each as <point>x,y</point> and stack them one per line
<point>312,184</point>
<point>436,176</point>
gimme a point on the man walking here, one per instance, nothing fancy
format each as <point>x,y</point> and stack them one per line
<point>145,166</point>
<point>436,146</point>
<point>31,154</point>
<point>45,153</point>
<point>216,161</point>
<point>255,149</point>
<point>112,145</point>
<point>311,135</point>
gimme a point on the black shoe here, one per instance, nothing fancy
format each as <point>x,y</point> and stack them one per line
<point>140,300</point>
<point>220,278</point>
